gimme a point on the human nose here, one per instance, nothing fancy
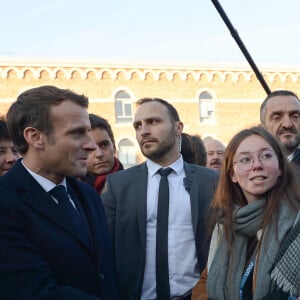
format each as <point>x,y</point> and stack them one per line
<point>99,151</point>
<point>144,129</point>
<point>286,122</point>
<point>215,155</point>
<point>90,144</point>
<point>10,157</point>
<point>256,162</point>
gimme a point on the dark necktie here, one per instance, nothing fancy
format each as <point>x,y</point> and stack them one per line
<point>74,218</point>
<point>162,268</point>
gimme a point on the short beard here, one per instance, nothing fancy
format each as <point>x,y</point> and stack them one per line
<point>163,150</point>
<point>293,145</point>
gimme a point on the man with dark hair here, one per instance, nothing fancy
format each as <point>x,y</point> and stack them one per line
<point>280,115</point>
<point>102,160</point>
<point>54,241</point>
<point>156,211</point>
<point>8,152</point>
<point>192,149</point>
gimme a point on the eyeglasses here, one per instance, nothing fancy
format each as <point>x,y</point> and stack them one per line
<point>245,161</point>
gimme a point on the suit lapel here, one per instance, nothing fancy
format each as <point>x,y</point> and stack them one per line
<point>81,205</point>
<point>33,195</point>
<point>192,186</point>
<point>296,158</point>
<point>141,196</point>
<point>92,218</point>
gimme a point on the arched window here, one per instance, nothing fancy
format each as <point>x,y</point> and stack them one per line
<point>127,153</point>
<point>123,104</point>
<point>206,107</point>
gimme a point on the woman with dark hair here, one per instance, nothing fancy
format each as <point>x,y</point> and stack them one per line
<point>254,209</point>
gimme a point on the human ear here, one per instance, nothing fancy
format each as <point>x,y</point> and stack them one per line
<point>233,176</point>
<point>33,137</point>
<point>179,128</point>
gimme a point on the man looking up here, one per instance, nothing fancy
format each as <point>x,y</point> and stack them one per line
<point>102,160</point>
<point>156,211</point>
<point>54,241</point>
<point>280,115</point>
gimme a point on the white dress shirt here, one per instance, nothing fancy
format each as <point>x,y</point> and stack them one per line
<point>290,157</point>
<point>47,184</point>
<point>183,267</point>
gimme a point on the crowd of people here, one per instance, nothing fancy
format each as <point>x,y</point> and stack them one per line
<point>196,220</point>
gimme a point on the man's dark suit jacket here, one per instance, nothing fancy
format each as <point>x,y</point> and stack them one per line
<point>295,162</point>
<point>125,204</point>
<point>296,158</point>
<point>41,257</point>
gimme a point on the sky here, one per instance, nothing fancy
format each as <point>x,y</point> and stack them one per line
<point>156,31</point>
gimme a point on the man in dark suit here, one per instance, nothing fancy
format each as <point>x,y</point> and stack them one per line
<point>54,240</point>
<point>132,201</point>
<point>280,115</point>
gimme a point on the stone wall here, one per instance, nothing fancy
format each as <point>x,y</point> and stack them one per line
<point>237,94</point>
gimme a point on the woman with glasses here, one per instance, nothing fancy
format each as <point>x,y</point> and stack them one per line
<point>254,208</point>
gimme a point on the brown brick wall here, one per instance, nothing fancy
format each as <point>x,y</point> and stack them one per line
<point>237,91</point>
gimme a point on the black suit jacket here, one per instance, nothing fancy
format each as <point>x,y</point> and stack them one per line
<point>125,203</point>
<point>295,162</point>
<point>41,257</point>
<point>296,158</point>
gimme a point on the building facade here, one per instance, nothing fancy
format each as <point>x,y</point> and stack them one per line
<point>211,101</point>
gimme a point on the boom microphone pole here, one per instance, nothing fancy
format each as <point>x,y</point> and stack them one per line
<point>241,45</point>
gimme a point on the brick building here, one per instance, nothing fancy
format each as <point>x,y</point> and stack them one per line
<point>211,100</point>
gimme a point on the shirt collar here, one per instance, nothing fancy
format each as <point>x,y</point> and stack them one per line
<point>291,156</point>
<point>153,167</point>
<point>45,183</point>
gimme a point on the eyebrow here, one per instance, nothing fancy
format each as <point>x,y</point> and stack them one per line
<point>260,150</point>
<point>294,111</point>
<point>147,120</point>
<point>278,112</point>
<point>81,128</point>
<point>106,141</point>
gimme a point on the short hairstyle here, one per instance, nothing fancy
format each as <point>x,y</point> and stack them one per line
<point>171,109</point>
<point>32,108</point>
<point>271,95</point>
<point>4,135</point>
<point>211,139</point>
<point>99,122</point>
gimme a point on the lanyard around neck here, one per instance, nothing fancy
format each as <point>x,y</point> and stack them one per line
<point>246,276</point>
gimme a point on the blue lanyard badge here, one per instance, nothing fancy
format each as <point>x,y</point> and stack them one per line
<point>245,277</point>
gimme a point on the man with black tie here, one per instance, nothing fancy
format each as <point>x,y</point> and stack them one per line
<point>54,240</point>
<point>280,115</point>
<point>156,211</point>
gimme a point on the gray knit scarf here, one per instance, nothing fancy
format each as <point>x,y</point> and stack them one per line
<point>223,283</point>
<point>286,271</point>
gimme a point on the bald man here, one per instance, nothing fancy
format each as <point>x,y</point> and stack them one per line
<point>280,115</point>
